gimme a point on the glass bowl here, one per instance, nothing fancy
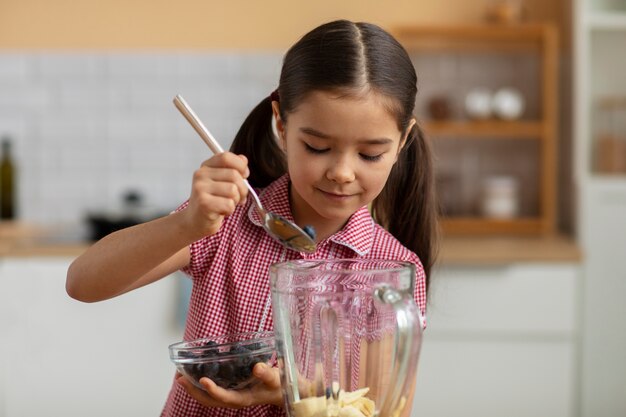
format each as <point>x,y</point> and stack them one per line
<point>227,360</point>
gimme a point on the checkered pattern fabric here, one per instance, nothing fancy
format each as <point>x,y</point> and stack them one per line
<point>230,273</point>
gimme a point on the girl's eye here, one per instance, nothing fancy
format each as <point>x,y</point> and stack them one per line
<point>371,158</point>
<point>311,149</point>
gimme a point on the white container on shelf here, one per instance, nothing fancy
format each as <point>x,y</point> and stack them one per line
<point>478,103</point>
<point>508,103</point>
<point>500,198</point>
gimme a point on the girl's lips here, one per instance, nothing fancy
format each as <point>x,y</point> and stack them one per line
<point>333,196</point>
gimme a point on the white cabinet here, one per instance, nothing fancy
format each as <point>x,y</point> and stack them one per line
<point>600,144</point>
<point>60,357</point>
<point>501,341</point>
<point>604,330</point>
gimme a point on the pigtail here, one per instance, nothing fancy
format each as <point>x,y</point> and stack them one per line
<point>407,205</point>
<point>256,140</point>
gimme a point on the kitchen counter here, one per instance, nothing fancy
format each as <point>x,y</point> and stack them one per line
<point>19,239</point>
<point>471,250</point>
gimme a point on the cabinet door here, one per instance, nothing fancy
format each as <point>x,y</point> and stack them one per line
<point>604,335</point>
<point>534,299</point>
<point>7,335</point>
<point>482,377</point>
<point>500,341</point>
<point>66,358</point>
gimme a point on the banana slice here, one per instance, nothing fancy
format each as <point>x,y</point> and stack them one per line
<point>349,404</point>
<point>350,397</point>
<point>310,407</point>
<point>349,411</point>
<point>365,405</point>
<point>399,408</point>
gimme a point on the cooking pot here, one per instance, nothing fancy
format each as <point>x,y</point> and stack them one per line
<point>131,212</point>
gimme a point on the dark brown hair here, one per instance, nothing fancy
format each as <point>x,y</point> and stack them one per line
<point>353,58</point>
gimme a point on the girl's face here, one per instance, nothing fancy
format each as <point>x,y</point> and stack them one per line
<point>340,151</point>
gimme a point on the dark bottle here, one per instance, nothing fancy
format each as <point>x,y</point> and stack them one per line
<point>7,182</point>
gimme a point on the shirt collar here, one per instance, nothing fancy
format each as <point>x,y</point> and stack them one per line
<point>275,198</point>
<point>357,234</point>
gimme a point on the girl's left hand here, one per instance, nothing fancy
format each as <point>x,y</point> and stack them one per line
<point>266,392</point>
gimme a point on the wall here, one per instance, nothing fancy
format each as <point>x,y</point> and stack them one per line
<point>86,87</point>
<point>216,24</point>
<point>87,127</point>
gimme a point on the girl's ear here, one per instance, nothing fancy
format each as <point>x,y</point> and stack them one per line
<point>280,126</point>
<point>410,126</point>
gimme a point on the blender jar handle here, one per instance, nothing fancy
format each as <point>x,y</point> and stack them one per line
<point>407,347</point>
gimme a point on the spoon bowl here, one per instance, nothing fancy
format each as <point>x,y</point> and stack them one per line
<point>281,229</point>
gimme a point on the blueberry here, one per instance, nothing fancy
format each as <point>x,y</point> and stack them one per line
<point>209,369</point>
<point>194,370</point>
<point>244,365</point>
<point>309,230</point>
<point>186,354</point>
<point>237,349</point>
<point>232,384</point>
<point>221,382</point>
<point>211,352</point>
<point>244,372</point>
<point>263,358</point>
<point>226,371</point>
<point>244,359</point>
<point>256,346</point>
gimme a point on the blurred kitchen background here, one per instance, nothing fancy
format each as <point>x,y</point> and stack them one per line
<point>524,100</point>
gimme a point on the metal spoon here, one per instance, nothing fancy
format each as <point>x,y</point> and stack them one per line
<point>281,229</point>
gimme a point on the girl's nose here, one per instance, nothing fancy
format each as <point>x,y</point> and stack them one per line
<point>340,171</point>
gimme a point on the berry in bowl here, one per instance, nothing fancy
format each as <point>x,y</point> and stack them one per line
<point>227,360</point>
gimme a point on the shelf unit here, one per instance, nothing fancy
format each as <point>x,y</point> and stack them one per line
<point>599,67</point>
<point>599,45</point>
<point>537,39</point>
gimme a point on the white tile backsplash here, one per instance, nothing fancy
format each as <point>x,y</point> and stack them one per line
<point>64,66</point>
<point>25,96</point>
<point>89,126</point>
<point>14,67</point>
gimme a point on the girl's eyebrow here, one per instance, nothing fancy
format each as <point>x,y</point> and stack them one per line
<point>374,141</point>
<point>312,132</point>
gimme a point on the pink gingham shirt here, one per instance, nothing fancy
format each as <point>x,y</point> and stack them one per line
<point>230,273</point>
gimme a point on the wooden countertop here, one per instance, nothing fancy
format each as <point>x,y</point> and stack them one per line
<point>472,250</point>
<point>19,239</point>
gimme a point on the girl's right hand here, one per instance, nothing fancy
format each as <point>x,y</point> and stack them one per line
<point>217,188</point>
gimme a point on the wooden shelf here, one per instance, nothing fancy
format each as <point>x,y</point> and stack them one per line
<point>509,33</point>
<point>485,226</point>
<point>540,40</point>
<point>488,128</point>
<point>489,250</point>
<point>472,37</point>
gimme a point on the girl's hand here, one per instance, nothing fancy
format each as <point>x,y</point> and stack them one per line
<point>266,392</point>
<point>217,188</point>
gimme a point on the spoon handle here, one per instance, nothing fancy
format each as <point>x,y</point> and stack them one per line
<point>195,122</point>
<point>208,138</point>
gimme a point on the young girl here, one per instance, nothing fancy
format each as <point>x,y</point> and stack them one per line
<point>347,139</point>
